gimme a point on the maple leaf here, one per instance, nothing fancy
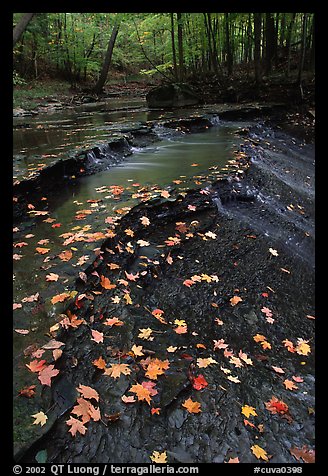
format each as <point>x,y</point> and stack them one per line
<point>188,282</point>
<point>114,321</point>
<point>129,232</point>
<point>171,348</point>
<point>290,346</point>
<point>248,423</point>
<point>129,399</point>
<point>158,314</point>
<point>32,298</point>
<point>151,387</point>
<point>233,379</point>
<point>36,365</point>
<point>86,410</point>
<point>105,283</point>
<point>181,330</point>
<point>40,418</point>
<point>202,362</point>
<point>259,452</point>
<point>245,358</point>
<point>46,374</point>
<point>115,370</point>
<point>302,347</point>
<point>158,457</point>
<point>131,277</point>
<point>266,311</point>
<point>65,255</point>
<point>42,251</point>
<point>155,411</point>
<point>307,455</point>
<point>76,426</point>
<point>97,336</point>
<point>145,334</point>
<point>191,406</point>
<point>235,300</point>
<point>266,345</point>
<point>137,350</point>
<point>100,363</point>
<point>234,460</point>
<point>276,406</point>
<point>145,221</point>
<point>199,382</point>
<point>141,392</point>
<point>52,277</point>
<point>297,379</point>
<point>88,392</point>
<point>53,344</point>
<point>247,411</point>
<point>273,252</point>
<point>27,392</point>
<point>278,370</point>
<point>60,298</point>
<point>289,384</point>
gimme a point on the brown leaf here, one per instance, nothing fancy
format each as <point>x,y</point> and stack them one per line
<point>191,406</point>
<point>307,455</point>
<point>88,392</point>
<point>47,374</point>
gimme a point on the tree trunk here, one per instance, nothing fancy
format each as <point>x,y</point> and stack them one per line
<point>175,67</point>
<point>301,63</point>
<point>180,47</point>
<point>269,42</point>
<point>257,48</point>
<point>21,26</point>
<point>289,41</point>
<point>228,45</point>
<point>108,58</point>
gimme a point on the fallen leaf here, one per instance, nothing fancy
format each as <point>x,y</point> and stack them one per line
<point>235,300</point>
<point>105,283</point>
<point>40,418</point>
<point>60,297</point>
<point>46,374</point>
<point>42,251</point>
<point>52,277</point>
<point>76,426</point>
<point>145,221</point>
<point>65,255</point>
<point>191,406</point>
<point>141,392</point>
<point>276,406</point>
<point>27,392</point>
<point>115,370</point>
<point>199,382</point>
<point>234,460</point>
<point>289,384</point>
<point>129,399</point>
<point>88,392</point>
<point>97,336</point>
<point>36,365</point>
<point>158,457</point>
<point>307,455</point>
<point>259,452</point>
<point>247,411</point>
<point>100,363</point>
<point>273,252</point>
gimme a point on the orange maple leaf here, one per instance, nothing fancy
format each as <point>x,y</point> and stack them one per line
<point>42,251</point>
<point>289,384</point>
<point>235,300</point>
<point>115,370</point>
<point>76,426</point>
<point>47,374</point>
<point>114,321</point>
<point>100,363</point>
<point>88,392</point>
<point>191,406</point>
<point>65,255</point>
<point>97,336</point>
<point>105,283</point>
<point>141,392</point>
<point>59,298</point>
<point>86,410</point>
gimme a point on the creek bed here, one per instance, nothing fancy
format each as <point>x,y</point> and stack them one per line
<point>239,216</point>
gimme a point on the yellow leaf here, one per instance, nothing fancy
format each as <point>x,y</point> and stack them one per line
<point>158,457</point>
<point>259,452</point>
<point>40,418</point>
<point>247,411</point>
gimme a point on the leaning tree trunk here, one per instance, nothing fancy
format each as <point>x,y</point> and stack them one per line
<point>108,58</point>
<point>21,26</point>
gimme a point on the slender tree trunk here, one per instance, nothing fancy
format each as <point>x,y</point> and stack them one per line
<point>269,42</point>
<point>257,47</point>
<point>174,55</point>
<point>108,58</point>
<point>301,63</point>
<point>21,26</point>
<point>228,45</point>
<point>289,41</point>
<point>180,47</point>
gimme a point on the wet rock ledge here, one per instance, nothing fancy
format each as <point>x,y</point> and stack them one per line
<point>221,281</point>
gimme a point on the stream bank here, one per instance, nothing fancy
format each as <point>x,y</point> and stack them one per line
<point>209,261</point>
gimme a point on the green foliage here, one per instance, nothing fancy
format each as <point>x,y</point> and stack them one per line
<point>17,80</point>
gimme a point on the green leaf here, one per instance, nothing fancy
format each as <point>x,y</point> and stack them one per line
<point>41,456</point>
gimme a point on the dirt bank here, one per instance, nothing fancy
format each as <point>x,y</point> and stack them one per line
<point>219,283</point>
